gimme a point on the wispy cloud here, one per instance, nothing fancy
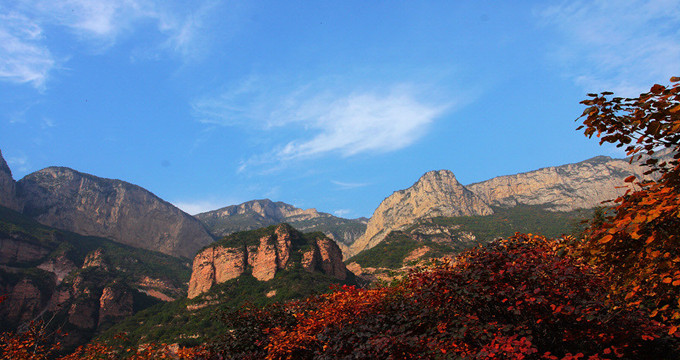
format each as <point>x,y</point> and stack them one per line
<point>348,185</point>
<point>320,122</point>
<point>622,46</point>
<point>361,122</point>
<point>19,165</point>
<point>25,52</point>
<point>23,57</point>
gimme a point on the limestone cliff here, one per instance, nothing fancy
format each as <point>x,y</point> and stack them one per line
<point>263,253</point>
<point>7,187</point>
<point>561,188</point>
<point>260,213</point>
<point>89,205</point>
<point>437,193</point>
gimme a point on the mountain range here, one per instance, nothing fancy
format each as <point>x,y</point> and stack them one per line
<point>568,187</point>
<point>95,250</point>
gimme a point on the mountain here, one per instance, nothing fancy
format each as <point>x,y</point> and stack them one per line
<point>8,197</point>
<point>260,213</point>
<point>262,253</point>
<point>568,187</point>
<point>83,283</point>
<point>90,205</point>
<point>437,193</point>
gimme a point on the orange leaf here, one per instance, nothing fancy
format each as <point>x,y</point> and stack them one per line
<point>605,239</point>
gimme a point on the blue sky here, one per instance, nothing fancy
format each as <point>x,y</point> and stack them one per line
<point>332,105</point>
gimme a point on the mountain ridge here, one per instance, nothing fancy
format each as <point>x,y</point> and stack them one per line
<point>87,204</point>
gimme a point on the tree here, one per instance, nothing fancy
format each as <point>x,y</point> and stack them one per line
<point>639,241</point>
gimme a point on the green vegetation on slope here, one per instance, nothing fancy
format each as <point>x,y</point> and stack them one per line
<point>391,252</point>
<point>521,218</point>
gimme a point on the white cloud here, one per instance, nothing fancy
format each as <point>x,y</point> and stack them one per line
<point>622,46</point>
<point>25,50</point>
<point>23,57</point>
<point>361,123</point>
<point>318,122</point>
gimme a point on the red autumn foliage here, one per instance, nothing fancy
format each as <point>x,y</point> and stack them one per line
<point>513,299</point>
<point>638,243</point>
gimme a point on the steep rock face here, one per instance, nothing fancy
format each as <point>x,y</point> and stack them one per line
<point>437,193</point>
<point>561,188</point>
<point>13,249</point>
<point>114,304</point>
<point>23,303</point>
<point>8,196</point>
<point>265,252</point>
<point>260,213</point>
<point>326,257</point>
<point>89,205</point>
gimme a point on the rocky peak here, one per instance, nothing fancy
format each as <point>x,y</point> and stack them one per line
<point>264,252</point>
<point>8,197</point>
<point>90,205</point>
<point>436,193</point>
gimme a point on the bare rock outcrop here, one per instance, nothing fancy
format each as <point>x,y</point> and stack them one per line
<point>568,187</point>
<point>437,193</point>
<point>264,252</point>
<point>90,205</point>
<point>8,197</point>
<point>114,304</point>
<point>24,302</point>
<point>13,249</point>
<point>60,266</point>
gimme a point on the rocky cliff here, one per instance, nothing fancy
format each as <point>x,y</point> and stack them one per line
<point>568,187</point>
<point>7,187</point>
<point>90,205</point>
<point>437,193</point>
<point>263,253</point>
<point>260,213</point>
